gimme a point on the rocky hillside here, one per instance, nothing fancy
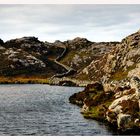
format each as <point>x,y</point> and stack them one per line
<point>118,63</point>
<point>29,57</point>
<point>115,96</point>
<point>81,52</point>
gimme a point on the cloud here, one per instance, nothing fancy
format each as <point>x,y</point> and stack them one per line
<point>53,22</point>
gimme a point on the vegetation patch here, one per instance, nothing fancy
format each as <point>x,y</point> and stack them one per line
<point>23,80</point>
<point>98,112</point>
<point>119,75</point>
<point>95,99</point>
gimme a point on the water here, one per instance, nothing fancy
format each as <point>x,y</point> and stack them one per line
<point>43,110</point>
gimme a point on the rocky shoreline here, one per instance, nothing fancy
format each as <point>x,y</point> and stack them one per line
<point>65,81</point>
<point>115,97</point>
<point>109,71</point>
<point>116,104</point>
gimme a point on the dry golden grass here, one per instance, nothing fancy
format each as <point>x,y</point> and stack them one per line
<point>23,80</point>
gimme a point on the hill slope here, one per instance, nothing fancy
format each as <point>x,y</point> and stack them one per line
<point>115,97</point>
<point>29,57</point>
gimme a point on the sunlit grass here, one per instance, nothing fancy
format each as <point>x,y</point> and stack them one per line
<point>23,80</point>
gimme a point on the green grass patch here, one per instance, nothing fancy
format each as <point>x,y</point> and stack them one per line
<point>120,74</point>
<point>97,112</point>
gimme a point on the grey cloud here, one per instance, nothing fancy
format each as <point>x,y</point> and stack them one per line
<point>63,21</point>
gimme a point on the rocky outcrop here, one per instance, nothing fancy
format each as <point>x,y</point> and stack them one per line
<point>124,110</point>
<point>80,53</point>
<point>118,102</point>
<point>119,105</point>
<point>57,81</point>
<point>118,62</point>
<point>67,83</point>
<point>29,56</point>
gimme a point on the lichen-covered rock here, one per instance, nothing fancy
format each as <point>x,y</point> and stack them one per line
<point>124,121</point>
<point>135,71</point>
<point>115,102</point>
<point>85,108</point>
<point>124,110</point>
<point>120,62</point>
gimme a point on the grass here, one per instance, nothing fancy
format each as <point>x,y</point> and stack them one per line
<point>68,57</point>
<point>23,80</point>
<point>96,100</point>
<point>120,74</point>
<point>97,112</point>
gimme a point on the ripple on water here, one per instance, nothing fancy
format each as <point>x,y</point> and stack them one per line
<point>43,110</point>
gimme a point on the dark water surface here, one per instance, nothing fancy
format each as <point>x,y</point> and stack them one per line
<point>43,110</point>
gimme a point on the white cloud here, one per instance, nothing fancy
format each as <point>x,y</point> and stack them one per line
<point>53,22</point>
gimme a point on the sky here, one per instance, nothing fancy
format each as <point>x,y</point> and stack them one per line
<point>63,22</point>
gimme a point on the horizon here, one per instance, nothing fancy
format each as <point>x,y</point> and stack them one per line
<point>65,40</point>
<point>97,23</point>
<point>68,39</point>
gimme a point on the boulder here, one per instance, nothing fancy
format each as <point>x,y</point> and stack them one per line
<point>124,121</point>
<point>67,83</point>
<point>124,110</point>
